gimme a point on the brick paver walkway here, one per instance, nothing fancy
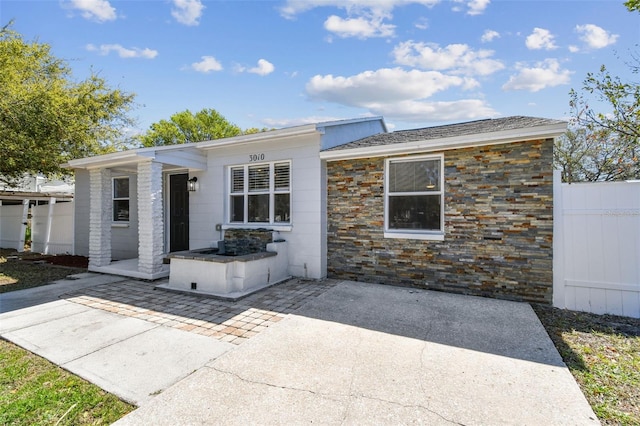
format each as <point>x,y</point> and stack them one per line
<point>233,322</point>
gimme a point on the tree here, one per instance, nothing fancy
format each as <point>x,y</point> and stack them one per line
<point>586,155</point>
<point>633,5</point>
<point>602,145</point>
<point>186,127</point>
<point>48,118</point>
<point>622,97</point>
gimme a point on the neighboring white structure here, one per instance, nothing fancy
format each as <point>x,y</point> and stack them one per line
<point>133,207</point>
<point>51,204</point>
<point>597,247</point>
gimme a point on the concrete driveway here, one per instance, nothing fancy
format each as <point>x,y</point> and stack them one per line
<point>357,353</point>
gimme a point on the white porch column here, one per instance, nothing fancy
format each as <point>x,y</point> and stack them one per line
<point>100,217</point>
<point>150,220</point>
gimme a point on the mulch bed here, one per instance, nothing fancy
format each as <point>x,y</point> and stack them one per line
<point>61,260</point>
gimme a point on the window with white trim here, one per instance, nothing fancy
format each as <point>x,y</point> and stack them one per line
<point>414,197</point>
<point>260,193</point>
<point>121,199</point>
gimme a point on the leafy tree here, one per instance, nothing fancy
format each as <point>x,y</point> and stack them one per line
<point>254,130</point>
<point>48,118</point>
<point>622,97</point>
<point>186,127</point>
<point>633,5</point>
<point>586,155</point>
<point>602,146</point>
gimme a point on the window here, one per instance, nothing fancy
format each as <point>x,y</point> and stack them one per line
<point>414,198</point>
<point>121,199</point>
<point>260,193</point>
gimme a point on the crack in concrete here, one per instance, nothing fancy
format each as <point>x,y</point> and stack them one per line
<point>414,406</point>
<point>256,382</point>
<point>351,395</point>
<point>336,398</point>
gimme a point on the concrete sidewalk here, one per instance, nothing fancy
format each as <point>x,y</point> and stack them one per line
<point>49,293</point>
<point>131,358</point>
<point>363,353</point>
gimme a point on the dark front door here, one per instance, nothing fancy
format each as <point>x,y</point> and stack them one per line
<point>178,213</point>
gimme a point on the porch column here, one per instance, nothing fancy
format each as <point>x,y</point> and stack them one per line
<point>150,220</point>
<point>100,217</point>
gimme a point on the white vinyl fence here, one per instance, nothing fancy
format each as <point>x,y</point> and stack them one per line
<point>12,227</point>
<point>597,247</point>
<point>51,227</point>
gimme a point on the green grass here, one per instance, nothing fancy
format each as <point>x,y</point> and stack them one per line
<point>603,354</point>
<point>35,392</point>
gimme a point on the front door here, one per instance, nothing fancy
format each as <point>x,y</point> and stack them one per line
<point>178,213</point>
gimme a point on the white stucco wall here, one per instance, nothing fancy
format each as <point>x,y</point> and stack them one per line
<point>307,235</point>
<point>124,236</point>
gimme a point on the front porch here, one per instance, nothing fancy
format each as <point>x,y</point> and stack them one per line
<point>131,203</point>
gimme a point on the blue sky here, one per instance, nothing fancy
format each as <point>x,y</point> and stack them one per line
<point>282,63</point>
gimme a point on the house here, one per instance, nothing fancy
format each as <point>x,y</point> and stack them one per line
<point>134,207</point>
<point>466,208</point>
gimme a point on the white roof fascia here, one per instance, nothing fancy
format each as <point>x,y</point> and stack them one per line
<point>456,142</point>
<point>192,159</point>
<point>259,137</point>
<point>184,155</point>
<point>109,160</point>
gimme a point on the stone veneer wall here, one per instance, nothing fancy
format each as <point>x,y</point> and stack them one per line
<point>244,241</point>
<point>498,225</point>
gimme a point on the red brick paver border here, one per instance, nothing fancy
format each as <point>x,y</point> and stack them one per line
<point>233,322</point>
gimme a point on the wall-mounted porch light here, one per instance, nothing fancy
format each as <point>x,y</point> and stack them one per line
<point>192,184</point>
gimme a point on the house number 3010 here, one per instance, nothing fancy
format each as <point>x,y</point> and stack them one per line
<point>256,157</point>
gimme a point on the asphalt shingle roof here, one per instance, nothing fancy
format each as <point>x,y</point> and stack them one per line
<point>449,131</point>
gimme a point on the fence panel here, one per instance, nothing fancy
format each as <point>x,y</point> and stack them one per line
<point>11,226</point>
<point>597,250</point>
<point>58,238</point>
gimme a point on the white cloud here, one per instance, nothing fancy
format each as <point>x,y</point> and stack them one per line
<point>264,67</point>
<point>96,10</point>
<point>398,94</point>
<point>489,35</point>
<point>424,112</point>
<point>187,12</point>
<point>422,24</point>
<point>477,7</point>
<point>474,7</point>
<point>381,86</point>
<point>123,52</point>
<point>296,7</point>
<point>573,48</point>
<point>459,58</point>
<point>365,18</point>
<point>544,74</point>
<point>290,122</point>
<point>358,27</point>
<point>206,65</point>
<point>595,37</point>
<point>540,39</point>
